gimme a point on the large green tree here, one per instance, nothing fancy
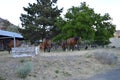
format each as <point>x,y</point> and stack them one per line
<point>83,21</point>
<point>79,22</point>
<point>59,35</point>
<point>104,29</point>
<point>40,19</point>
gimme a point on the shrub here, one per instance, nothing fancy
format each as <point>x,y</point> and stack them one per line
<point>24,70</point>
<point>66,73</point>
<point>106,57</point>
<point>25,60</point>
<point>56,71</point>
<point>22,60</point>
<point>1,78</point>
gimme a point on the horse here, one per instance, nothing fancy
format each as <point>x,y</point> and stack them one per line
<point>70,43</point>
<point>10,44</point>
<point>45,45</point>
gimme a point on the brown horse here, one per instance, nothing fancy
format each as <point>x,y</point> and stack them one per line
<point>10,45</point>
<point>45,45</point>
<point>70,43</point>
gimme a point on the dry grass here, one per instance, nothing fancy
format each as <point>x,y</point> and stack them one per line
<point>56,65</point>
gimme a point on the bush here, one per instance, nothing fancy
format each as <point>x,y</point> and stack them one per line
<point>1,78</point>
<point>57,71</point>
<point>22,60</point>
<point>24,70</point>
<point>106,57</point>
<point>66,73</point>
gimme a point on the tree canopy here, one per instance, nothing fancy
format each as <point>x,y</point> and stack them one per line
<point>83,21</point>
<point>43,19</point>
<point>40,19</point>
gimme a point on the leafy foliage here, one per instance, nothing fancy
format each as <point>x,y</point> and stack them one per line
<point>79,22</point>
<point>104,29</point>
<point>43,19</point>
<point>39,20</point>
<point>83,21</point>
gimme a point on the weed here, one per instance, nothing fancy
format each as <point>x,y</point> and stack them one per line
<point>57,71</point>
<point>22,60</point>
<point>88,56</point>
<point>66,74</point>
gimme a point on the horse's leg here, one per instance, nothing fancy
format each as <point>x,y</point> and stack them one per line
<point>9,49</point>
<point>48,49</point>
<point>77,47</point>
<point>44,49</point>
<point>72,48</point>
<point>69,47</point>
<point>64,48</point>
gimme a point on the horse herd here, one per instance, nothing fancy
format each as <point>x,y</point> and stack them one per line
<point>45,46</point>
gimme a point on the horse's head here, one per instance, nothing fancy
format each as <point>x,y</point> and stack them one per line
<point>45,45</point>
<point>77,38</point>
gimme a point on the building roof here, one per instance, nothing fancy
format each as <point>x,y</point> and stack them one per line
<point>10,34</point>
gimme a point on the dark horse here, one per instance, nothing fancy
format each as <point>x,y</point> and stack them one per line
<point>70,43</point>
<point>45,45</point>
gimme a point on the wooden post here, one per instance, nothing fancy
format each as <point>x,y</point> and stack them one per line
<point>14,42</point>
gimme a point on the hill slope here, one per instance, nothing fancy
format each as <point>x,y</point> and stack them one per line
<point>8,26</point>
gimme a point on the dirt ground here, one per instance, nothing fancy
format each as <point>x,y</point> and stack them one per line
<point>69,65</point>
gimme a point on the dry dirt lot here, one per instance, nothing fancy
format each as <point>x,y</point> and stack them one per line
<point>70,65</point>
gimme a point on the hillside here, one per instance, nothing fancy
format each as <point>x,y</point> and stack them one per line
<point>76,65</point>
<point>8,26</point>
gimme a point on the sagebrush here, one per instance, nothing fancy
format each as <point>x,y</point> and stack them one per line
<point>24,70</point>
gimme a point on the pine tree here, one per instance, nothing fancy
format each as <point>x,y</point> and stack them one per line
<point>40,19</point>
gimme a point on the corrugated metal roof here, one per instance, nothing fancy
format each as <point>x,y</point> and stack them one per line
<point>10,34</point>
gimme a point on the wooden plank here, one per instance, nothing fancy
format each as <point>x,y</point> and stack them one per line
<point>25,51</point>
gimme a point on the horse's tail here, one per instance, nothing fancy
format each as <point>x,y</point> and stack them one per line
<point>64,45</point>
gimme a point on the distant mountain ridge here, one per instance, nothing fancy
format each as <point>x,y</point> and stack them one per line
<point>8,26</point>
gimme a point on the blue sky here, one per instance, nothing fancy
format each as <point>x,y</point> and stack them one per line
<point>11,9</point>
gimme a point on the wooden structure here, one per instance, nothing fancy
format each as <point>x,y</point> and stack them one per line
<point>6,37</point>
